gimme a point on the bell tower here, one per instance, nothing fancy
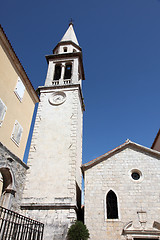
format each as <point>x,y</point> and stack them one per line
<point>52,192</point>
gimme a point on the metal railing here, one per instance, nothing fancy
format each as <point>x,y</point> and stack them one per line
<point>14,226</point>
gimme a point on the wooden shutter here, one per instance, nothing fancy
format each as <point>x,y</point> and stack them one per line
<point>20,88</point>
<point>17,133</point>
<point>3,110</point>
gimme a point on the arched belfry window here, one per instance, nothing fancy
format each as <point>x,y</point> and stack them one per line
<point>57,72</point>
<point>111,205</point>
<point>68,71</point>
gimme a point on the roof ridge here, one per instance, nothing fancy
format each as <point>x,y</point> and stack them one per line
<point>127,142</point>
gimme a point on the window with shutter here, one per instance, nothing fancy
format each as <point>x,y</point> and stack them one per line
<point>17,133</point>
<point>19,90</point>
<point>3,110</point>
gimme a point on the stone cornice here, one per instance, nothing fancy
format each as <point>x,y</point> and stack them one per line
<point>67,42</point>
<point>48,206</point>
<point>43,88</point>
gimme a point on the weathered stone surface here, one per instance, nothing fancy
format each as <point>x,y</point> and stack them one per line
<point>53,181</point>
<point>52,193</point>
<point>136,199</point>
<point>13,171</point>
<point>56,221</point>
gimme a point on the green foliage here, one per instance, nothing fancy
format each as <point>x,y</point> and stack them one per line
<point>78,231</point>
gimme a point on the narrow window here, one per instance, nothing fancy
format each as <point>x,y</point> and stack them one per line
<point>3,110</point>
<point>65,49</point>
<point>57,73</point>
<point>17,133</point>
<point>111,203</point>
<point>19,89</point>
<point>68,71</point>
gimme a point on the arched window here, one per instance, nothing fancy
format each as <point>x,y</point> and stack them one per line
<point>57,72</point>
<point>68,71</point>
<point>111,205</point>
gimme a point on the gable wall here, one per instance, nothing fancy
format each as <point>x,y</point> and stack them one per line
<point>133,196</point>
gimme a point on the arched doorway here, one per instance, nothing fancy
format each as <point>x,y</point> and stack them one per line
<point>6,187</point>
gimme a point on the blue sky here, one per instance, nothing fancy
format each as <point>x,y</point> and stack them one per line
<point>121,52</point>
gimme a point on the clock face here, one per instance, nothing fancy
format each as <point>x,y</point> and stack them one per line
<point>57,98</point>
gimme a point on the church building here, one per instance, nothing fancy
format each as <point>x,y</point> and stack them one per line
<point>122,194</point>
<point>122,187</point>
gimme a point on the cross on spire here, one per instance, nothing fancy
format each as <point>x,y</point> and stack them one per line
<point>71,22</point>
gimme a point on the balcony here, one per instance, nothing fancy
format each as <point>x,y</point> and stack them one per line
<point>67,81</point>
<point>55,82</point>
<point>61,82</point>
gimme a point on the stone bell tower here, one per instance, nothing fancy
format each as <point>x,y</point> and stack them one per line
<point>52,192</point>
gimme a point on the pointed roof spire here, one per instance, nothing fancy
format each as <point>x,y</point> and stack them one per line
<point>70,34</point>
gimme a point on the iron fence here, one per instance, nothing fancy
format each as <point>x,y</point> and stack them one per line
<point>14,226</point>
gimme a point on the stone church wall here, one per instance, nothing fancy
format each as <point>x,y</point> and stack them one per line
<point>135,198</point>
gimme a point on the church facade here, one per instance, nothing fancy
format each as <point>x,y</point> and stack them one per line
<point>122,194</point>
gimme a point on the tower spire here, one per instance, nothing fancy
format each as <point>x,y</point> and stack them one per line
<point>70,34</point>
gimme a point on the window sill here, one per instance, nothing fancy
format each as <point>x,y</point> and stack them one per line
<point>112,220</point>
<point>19,98</point>
<point>17,144</point>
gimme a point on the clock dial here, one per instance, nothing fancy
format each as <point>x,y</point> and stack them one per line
<point>57,98</point>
